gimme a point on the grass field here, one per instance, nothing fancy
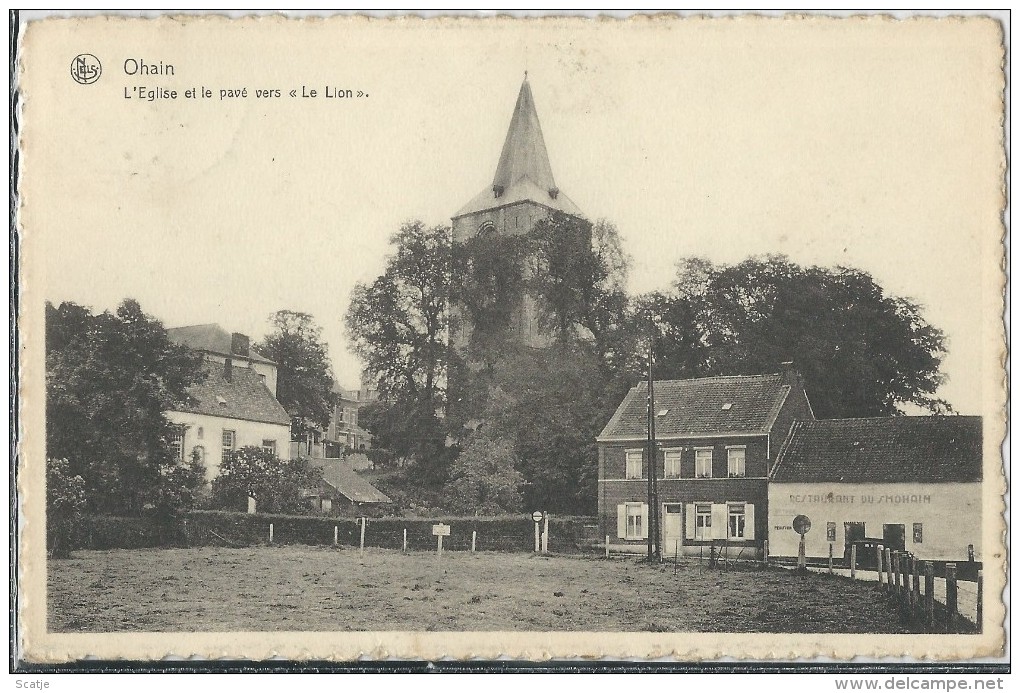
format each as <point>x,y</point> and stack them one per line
<point>326,589</point>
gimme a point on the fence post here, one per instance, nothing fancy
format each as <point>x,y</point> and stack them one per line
<point>878,564</point>
<point>545,534</point>
<point>830,558</point>
<point>951,597</point>
<point>888,570</point>
<point>765,554</point>
<point>270,532</point>
<point>474,535</point>
<point>405,540</point>
<point>894,565</point>
<point>929,593</point>
<point>980,601</point>
<point>336,535</point>
<point>853,561</point>
<point>915,588</point>
<point>362,548</point>
<point>607,546</point>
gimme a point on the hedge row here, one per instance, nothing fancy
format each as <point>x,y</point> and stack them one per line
<point>223,528</point>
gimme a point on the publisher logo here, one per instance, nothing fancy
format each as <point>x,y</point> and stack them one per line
<point>85,68</point>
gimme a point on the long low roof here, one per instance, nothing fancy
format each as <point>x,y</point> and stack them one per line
<point>713,406</point>
<point>339,474</point>
<point>898,449</point>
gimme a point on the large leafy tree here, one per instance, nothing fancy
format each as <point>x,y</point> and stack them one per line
<point>399,324</point>
<point>275,484</point>
<point>862,352</point>
<point>484,479</point>
<point>109,379</point>
<point>304,373</point>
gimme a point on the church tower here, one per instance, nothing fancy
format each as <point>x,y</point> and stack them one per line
<point>522,193</point>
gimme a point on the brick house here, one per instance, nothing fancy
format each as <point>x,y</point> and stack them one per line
<point>717,439</point>
<point>908,482</point>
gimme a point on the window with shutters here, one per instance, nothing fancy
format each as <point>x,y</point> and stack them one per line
<point>735,461</point>
<point>737,519</point>
<point>703,463</point>
<point>635,521</point>
<point>671,469</point>
<point>634,464</point>
<point>703,521</point>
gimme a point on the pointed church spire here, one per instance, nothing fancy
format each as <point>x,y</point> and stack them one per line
<point>524,154</point>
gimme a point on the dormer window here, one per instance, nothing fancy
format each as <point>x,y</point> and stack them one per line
<point>497,190</point>
<point>221,400</point>
<point>554,192</point>
<point>727,406</point>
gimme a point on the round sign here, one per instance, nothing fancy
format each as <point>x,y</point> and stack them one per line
<point>537,516</point>
<point>801,524</point>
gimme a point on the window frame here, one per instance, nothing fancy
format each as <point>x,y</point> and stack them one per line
<point>917,533</point>
<point>736,510</point>
<point>702,522</point>
<point>224,447</point>
<point>730,458</point>
<point>699,457</point>
<point>638,524</point>
<point>177,442</point>
<point>670,455</point>
<point>269,448</point>
<point>640,456</point>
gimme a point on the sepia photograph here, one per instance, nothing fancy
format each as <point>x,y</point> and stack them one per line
<point>532,337</point>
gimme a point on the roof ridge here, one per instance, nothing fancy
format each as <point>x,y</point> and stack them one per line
<point>712,377</point>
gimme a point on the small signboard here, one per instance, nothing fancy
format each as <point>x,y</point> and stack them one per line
<point>537,516</point>
<point>440,530</point>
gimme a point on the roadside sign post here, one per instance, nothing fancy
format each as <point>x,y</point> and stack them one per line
<point>440,531</point>
<point>801,525</point>
<point>537,517</point>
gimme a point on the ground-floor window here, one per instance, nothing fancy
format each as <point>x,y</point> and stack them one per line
<point>635,521</point>
<point>918,533</point>
<point>830,531</point>
<point>737,520</point>
<point>703,522</point>
<point>269,446</point>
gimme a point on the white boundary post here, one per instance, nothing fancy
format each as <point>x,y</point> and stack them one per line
<point>607,546</point>
<point>537,530</point>
<point>405,539</point>
<point>545,534</point>
<point>270,532</point>
<point>439,546</point>
<point>336,533</point>
<point>474,535</point>
<point>362,549</point>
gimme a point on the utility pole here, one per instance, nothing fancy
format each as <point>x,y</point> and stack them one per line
<point>654,544</point>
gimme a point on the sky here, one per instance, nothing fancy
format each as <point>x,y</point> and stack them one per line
<point>875,146</point>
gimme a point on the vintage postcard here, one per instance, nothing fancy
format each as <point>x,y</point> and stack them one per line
<point>657,337</point>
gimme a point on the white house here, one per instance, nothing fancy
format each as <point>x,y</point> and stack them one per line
<point>235,405</point>
<point>909,482</point>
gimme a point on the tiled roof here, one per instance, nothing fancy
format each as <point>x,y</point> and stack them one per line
<point>523,172</point>
<point>244,396</point>
<point>339,474</point>
<point>702,406</point>
<point>211,338</point>
<point>882,450</point>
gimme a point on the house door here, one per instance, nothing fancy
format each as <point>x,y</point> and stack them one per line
<point>672,528</point>
<point>894,537</point>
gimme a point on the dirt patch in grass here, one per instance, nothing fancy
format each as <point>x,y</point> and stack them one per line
<point>327,589</point>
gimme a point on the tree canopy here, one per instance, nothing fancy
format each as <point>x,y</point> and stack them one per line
<point>862,352</point>
<point>109,379</point>
<point>275,484</point>
<point>304,372</point>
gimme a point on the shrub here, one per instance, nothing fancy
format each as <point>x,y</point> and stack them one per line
<point>65,500</point>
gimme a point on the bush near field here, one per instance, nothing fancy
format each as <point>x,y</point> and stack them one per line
<point>224,528</point>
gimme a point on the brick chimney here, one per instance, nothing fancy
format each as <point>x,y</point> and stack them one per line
<point>228,370</point>
<point>240,344</point>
